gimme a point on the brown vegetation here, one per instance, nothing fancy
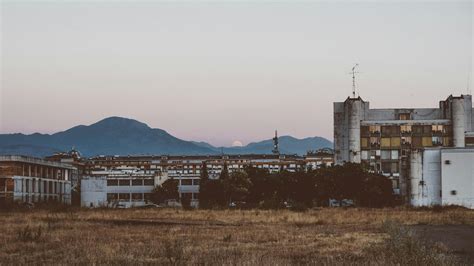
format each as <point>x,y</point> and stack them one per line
<point>170,236</point>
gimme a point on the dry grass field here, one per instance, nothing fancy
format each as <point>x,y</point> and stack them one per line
<point>244,237</point>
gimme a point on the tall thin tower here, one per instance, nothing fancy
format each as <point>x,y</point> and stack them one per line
<point>275,144</point>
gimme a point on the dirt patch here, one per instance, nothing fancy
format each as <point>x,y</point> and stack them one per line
<point>457,238</point>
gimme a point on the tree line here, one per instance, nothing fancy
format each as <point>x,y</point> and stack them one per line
<point>258,188</point>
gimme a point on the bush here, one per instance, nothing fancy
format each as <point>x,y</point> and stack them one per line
<point>28,234</point>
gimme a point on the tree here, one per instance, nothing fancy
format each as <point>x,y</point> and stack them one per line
<point>238,186</point>
<point>224,173</point>
<point>166,191</point>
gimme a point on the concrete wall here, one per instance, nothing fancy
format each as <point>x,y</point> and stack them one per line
<point>94,192</point>
<point>457,167</point>
<point>425,177</point>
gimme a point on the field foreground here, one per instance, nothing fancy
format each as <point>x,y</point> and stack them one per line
<point>256,237</point>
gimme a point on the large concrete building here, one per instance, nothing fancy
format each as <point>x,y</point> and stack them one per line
<point>128,180</point>
<point>403,143</point>
<point>30,180</point>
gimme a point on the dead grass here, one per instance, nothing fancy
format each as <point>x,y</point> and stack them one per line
<point>227,237</point>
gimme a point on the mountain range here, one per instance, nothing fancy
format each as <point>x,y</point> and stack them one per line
<point>123,136</point>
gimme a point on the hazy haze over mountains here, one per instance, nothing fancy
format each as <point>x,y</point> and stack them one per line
<point>123,136</point>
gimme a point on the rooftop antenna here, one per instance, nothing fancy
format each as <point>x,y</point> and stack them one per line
<point>354,80</point>
<point>275,144</point>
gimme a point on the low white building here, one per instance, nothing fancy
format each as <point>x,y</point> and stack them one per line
<point>457,183</point>
<point>118,189</point>
<point>442,176</point>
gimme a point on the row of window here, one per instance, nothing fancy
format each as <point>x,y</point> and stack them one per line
<point>189,182</point>
<point>397,142</point>
<point>130,182</point>
<point>395,130</point>
<point>128,196</point>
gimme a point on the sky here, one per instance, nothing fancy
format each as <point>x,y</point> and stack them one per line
<point>225,71</point>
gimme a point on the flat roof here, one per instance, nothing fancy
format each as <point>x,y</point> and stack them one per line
<point>34,160</point>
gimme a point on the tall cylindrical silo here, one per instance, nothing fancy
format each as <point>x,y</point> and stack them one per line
<point>416,177</point>
<point>459,122</point>
<point>355,115</point>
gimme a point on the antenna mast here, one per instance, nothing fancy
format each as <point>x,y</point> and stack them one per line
<point>354,81</point>
<point>275,144</point>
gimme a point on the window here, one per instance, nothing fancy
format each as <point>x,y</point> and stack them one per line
<point>403,116</point>
<point>374,142</point>
<point>196,182</point>
<point>395,142</point>
<point>385,155</point>
<point>186,182</point>
<point>137,196</point>
<point>416,142</point>
<point>374,129</point>
<point>364,142</point>
<point>417,129</point>
<point>394,168</point>
<point>437,141</point>
<point>365,155</point>
<point>386,130</point>
<point>454,192</point>
<point>406,141</point>
<point>385,143</point>
<point>137,182</point>
<point>124,183</point>
<point>405,129</point>
<point>111,197</point>
<point>437,128</point>
<point>448,162</point>
<point>364,131</point>
<point>427,130</point>
<point>427,142</point>
<point>149,182</point>
<point>112,182</point>
<point>147,196</point>
<point>386,167</point>
<point>469,141</point>
<point>394,154</point>
<point>124,196</point>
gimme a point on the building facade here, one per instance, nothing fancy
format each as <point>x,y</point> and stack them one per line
<point>129,180</point>
<point>31,180</point>
<point>389,141</point>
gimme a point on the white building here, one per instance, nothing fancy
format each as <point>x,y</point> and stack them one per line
<point>119,188</point>
<point>443,176</point>
<point>457,183</point>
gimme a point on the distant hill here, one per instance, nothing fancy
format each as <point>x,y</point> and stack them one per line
<point>123,136</point>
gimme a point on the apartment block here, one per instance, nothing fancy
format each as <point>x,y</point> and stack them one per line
<point>384,140</point>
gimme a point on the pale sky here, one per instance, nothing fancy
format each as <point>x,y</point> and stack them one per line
<point>220,72</point>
